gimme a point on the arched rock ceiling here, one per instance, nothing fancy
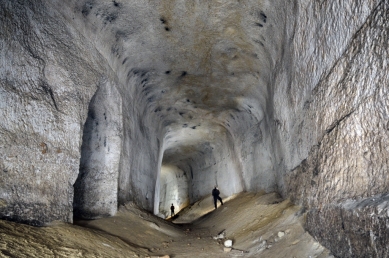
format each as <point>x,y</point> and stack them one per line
<point>205,66</point>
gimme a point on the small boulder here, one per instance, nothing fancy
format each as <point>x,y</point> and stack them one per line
<point>228,243</point>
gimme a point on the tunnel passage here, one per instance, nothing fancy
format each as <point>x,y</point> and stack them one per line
<point>194,161</point>
<point>294,92</point>
<point>173,189</point>
<point>198,101</point>
<point>209,74</point>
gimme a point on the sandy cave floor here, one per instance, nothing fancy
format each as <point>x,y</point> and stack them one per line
<point>260,225</point>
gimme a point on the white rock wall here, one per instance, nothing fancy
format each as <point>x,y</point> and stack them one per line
<point>332,121</point>
<point>48,73</point>
<point>173,190</point>
<point>322,33</point>
<point>333,128</point>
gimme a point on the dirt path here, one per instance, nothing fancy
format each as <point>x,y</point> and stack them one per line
<point>258,225</point>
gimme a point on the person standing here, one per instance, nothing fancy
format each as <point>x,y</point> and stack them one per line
<point>172,210</point>
<point>215,194</point>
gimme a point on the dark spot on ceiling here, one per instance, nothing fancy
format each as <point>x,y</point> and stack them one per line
<point>151,99</point>
<point>263,16</point>
<point>86,8</point>
<point>110,17</point>
<point>116,3</point>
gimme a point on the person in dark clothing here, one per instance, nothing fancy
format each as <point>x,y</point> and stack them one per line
<point>172,210</point>
<point>215,194</point>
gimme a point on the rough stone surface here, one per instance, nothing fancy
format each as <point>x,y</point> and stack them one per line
<point>46,83</point>
<point>350,106</point>
<point>105,102</point>
<point>339,132</point>
<point>354,228</point>
<point>100,155</point>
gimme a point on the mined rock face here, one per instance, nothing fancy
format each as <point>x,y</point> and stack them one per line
<point>339,128</point>
<point>353,228</point>
<point>48,74</point>
<point>105,102</point>
<point>345,115</point>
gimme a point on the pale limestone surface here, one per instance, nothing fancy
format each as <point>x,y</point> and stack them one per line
<point>98,97</point>
<point>174,190</point>
<point>46,83</point>
<point>338,136</point>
